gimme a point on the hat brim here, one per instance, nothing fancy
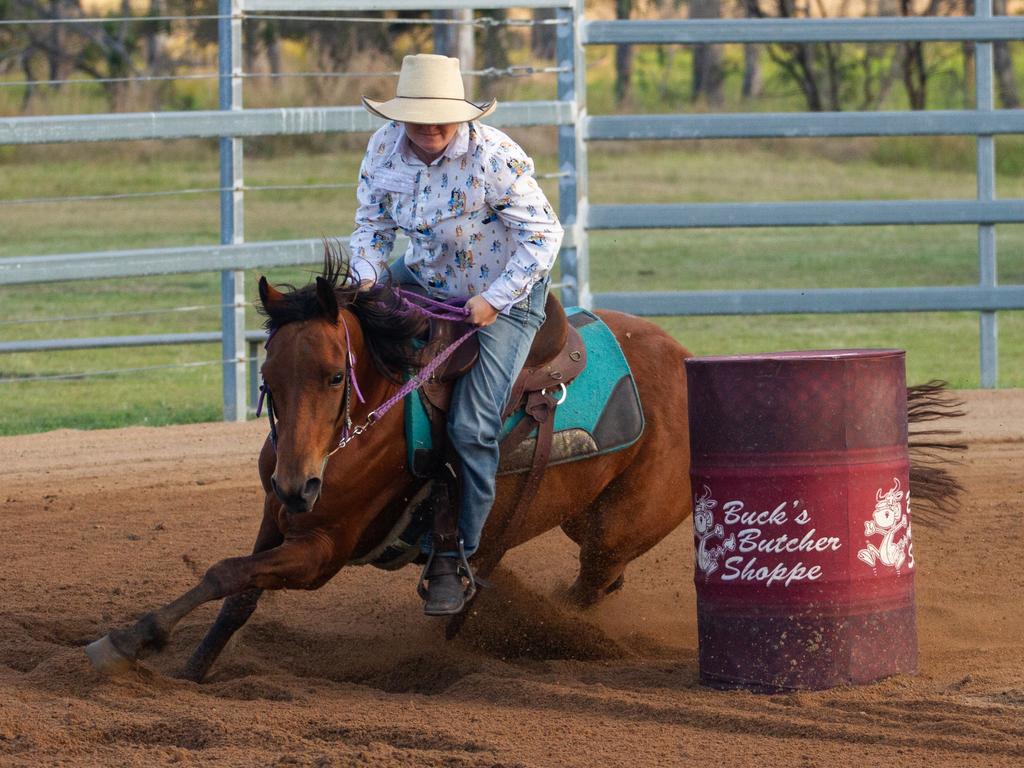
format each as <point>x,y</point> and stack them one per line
<point>429,111</point>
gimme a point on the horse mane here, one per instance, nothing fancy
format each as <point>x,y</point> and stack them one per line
<point>388,323</point>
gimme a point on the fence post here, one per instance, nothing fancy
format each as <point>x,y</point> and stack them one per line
<point>572,158</point>
<point>232,222</point>
<point>988,326</point>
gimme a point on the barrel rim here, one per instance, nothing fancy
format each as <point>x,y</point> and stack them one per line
<point>801,355</point>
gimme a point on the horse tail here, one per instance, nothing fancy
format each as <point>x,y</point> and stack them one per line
<point>933,486</point>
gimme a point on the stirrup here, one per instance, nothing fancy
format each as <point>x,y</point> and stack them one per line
<point>464,570</point>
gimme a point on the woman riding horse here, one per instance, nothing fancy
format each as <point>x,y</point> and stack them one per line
<point>480,226</point>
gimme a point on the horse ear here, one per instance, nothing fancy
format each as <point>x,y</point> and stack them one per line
<point>328,301</point>
<point>269,295</point>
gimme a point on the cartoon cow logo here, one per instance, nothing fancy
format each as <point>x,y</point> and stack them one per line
<point>888,520</point>
<point>704,528</point>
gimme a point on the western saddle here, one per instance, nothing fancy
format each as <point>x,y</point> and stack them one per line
<point>556,357</point>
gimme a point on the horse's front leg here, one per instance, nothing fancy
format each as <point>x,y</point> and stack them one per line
<point>296,564</point>
<point>237,608</point>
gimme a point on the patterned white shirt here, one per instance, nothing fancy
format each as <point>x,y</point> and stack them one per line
<point>477,221</point>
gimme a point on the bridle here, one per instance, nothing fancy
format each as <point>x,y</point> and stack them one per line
<point>351,386</point>
<point>425,305</point>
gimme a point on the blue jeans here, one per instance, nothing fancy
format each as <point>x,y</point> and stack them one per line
<point>479,397</point>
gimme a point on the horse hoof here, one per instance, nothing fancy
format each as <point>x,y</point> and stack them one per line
<point>106,659</point>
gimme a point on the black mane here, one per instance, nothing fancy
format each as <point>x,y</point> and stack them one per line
<point>387,321</point>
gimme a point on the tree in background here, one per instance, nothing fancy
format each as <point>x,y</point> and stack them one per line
<point>829,76</point>
<point>818,69</point>
<point>1006,80</point>
<point>623,56</point>
<point>708,77</point>
<point>495,42</point>
<point>542,36</point>
<point>752,79</point>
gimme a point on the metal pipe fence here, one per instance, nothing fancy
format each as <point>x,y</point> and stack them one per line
<point>232,123</point>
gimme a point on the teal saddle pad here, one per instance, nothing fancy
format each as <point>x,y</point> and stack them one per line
<point>601,412</point>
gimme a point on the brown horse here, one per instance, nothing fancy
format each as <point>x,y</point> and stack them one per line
<point>324,507</point>
<point>322,511</point>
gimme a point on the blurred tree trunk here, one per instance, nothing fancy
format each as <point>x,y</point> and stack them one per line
<point>542,36</point>
<point>1006,79</point>
<point>458,40</point>
<point>272,45</point>
<point>753,82</point>
<point>495,55</point>
<point>251,45</point>
<point>442,41</point>
<point>26,67</point>
<point>157,59</point>
<point>797,60</point>
<point>57,62</point>
<point>878,81</point>
<point>465,39</point>
<point>623,56</point>
<point>970,74</point>
<point>915,73</point>
<point>707,59</point>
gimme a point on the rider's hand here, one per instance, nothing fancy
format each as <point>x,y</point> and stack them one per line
<point>365,285</point>
<point>481,313</point>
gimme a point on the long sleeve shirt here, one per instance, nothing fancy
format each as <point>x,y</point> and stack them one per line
<point>477,221</point>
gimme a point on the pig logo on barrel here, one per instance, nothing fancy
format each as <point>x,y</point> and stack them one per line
<point>704,529</point>
<point>888,520</point>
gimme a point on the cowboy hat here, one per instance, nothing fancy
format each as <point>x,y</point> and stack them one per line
<point>430,91</point>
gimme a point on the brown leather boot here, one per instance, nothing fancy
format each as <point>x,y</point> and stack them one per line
<point>444,593</point>
<point>447,582</point>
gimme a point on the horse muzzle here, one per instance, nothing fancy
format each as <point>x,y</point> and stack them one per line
<point>301,500</point>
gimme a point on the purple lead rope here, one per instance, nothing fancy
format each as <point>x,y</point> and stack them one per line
<point>428,307</point>
<point>450,312</point>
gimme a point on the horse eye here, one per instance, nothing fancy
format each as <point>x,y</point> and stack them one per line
<point>337,379</point>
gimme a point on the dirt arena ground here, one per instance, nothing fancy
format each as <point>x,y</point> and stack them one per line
<point>99,526</point>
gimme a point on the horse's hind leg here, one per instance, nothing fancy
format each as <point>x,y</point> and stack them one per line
<point>632,515</point>
<point>295,564</point>
<point>234,613</point>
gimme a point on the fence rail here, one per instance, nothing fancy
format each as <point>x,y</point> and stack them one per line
<point>819,301</point>
<point>872,30</point>
<point>835,213</point>
<point>791,125</point>
<point>213,124</point>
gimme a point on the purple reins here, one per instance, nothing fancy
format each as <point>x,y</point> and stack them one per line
<point>450,311</point>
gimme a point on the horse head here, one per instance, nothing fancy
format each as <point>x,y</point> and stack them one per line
<point>305,374</point>
<point>329,344</point>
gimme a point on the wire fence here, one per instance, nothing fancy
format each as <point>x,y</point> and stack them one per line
<point>107,19</point>
<point>118,315</point>
<point>519,70</point>
<point>116,371</point>
<point>201,191</point>
<point>482,22</point>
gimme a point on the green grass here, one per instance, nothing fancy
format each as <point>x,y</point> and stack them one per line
<point>939,345</point>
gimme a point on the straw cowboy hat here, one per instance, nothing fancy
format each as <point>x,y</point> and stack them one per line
<point>430,91</point>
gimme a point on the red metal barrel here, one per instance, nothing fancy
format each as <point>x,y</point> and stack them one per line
<point>804,563</point>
